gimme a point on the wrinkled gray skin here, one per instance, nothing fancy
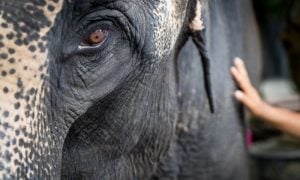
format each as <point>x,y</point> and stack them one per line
<point>210,146</point>
<point>137,106</point>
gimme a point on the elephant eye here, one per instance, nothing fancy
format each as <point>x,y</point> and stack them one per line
<point>94,39</point>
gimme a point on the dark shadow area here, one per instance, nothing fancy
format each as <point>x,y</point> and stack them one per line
<point>275,155</point>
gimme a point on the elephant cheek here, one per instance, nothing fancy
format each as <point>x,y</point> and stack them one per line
<point>23,68</point>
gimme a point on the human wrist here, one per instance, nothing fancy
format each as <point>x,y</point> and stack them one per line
<point>261,109</point>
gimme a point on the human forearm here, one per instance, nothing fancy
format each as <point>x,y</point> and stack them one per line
<point>282,119</point>
<point>285,120</point>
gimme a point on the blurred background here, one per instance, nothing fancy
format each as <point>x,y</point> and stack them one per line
<point>274,155</point>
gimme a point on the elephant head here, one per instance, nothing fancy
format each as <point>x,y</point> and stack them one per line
<point>88,87</point>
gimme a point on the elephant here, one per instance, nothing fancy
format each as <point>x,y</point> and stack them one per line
<point>123,89</point>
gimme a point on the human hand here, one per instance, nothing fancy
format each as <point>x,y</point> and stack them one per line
<point>248,94</point>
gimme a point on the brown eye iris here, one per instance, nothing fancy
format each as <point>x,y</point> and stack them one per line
<point>95,38</point>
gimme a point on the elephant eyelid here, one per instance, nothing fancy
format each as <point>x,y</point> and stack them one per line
<point>94,39</point>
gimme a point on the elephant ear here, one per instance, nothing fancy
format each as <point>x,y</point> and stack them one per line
<point>197,32</point>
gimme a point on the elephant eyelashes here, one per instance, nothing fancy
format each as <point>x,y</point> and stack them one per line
<point>94,39</point>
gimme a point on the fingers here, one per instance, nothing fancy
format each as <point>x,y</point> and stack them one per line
<point>240,80</point>
<point>240,75</point>
<point>248,94</point>
<point>239,64</point>
<point>246,100</point>
<point>254,105</point>
<point>236,75</point>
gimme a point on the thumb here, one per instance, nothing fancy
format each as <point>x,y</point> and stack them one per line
<point>245,100</point>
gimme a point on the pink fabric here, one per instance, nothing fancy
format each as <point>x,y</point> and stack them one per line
<point>249,138</point>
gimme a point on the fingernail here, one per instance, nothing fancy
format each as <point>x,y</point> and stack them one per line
<point>235,60</point>
<point>238,94</point>
<point>238,60</point>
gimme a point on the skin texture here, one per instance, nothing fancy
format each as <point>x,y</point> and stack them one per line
<point>26,140</point>
<point>81,104</point>
<point>211,146</point>
<point>280,118</point>
<point>138,105</point>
